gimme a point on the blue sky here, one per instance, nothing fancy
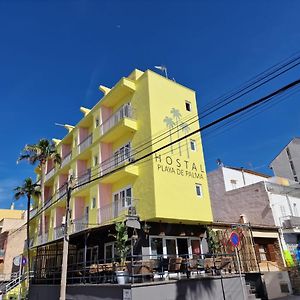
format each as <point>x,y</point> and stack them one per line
<point>54,55</point>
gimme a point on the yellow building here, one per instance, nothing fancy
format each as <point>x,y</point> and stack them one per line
<point>103,153</point>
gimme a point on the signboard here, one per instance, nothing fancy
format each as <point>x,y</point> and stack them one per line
<point>234,239</point>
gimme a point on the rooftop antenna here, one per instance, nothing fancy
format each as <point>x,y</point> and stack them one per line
<point>163,69</point>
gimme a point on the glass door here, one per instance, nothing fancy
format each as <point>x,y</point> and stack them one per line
<point>171,247</point>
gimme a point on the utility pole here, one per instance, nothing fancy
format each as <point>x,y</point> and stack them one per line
<point>64,267</point>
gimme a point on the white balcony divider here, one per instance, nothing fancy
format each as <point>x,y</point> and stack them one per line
<point>124,112</point>
<point>115,209</point>
<point>79,224</point>
<point>66,159</point>
<point>85,143</point>
<point>58,232</point>
<point>50,174</point>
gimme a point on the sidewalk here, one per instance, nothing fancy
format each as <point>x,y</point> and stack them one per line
<point>291,297</point>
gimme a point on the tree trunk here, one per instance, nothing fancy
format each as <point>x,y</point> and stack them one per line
<point>43,200</point>
<point>28,242</point>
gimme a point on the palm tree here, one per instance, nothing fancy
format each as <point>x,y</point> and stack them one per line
<point>29,190</point>
<point>177,116</point>
<point>40,153</point>
<point>170,124</point>
<point>186,129</point>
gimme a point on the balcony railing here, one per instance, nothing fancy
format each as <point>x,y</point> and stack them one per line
<point>30,243</point>
<point>58,232</point>
<point>115,162</point>
<point>124,112</point>
<point>79,224</point>
<point>85,143</point>
<point>61,192</point>
<point>50,174</point>
<point>84,178</point>
<point>66,159</point>
<point>122,207</point>
<point>32,213</point>
<point>43,239</point>
<point>290,222</point>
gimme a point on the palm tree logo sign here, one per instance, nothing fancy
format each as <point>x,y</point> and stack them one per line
<point>175,122</point>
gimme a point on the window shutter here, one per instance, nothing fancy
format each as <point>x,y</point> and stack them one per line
<point>271,252</point>
<point>256,248</point>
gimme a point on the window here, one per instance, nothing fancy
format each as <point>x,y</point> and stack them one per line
<point>93,202</point>
<point>97,122</point>
<point>193,145</point>
<point>95,160</point>
<point>122,199</point>
<point>199,189</point>
<point>233,183</point>
<point>262,253</point>
<point>188,106</point>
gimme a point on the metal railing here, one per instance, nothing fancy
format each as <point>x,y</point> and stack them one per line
<point>116,209</point>
<point>141,268</point>
<point>78,225</point>
<point>125,111</point>
<point>58,232</point>
<point>290,222</point>
<point>32,213</point>
<point>66,159</point>
<point>85,143</point>
<point>114,162</point>
<point>43,239</point>
<point>50,174</point>
<point>84,178</point>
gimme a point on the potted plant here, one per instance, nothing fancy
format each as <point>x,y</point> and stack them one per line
<point>121,237</point>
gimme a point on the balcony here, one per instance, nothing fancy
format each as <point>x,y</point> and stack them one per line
<point>32,213</point>
<point>66,159</point>
<point>61,192</point>
<point>119,124</point>
<point>121,208</point>
<point>85,143</point>
<point>50,174</point>
<point>79,224</point>
<point>291,223</point>
<point>30,244</point>
<point>108,167</point>
<point>42,239</point>
<point>84,178</point>
<point>58,232</point>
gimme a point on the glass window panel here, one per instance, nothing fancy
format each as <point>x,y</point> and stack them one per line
<point>171,246</point>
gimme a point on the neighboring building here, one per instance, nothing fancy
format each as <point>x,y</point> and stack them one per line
<point>168,191</point>
<point>12,238</point>
<point>251,199</point>
<point>287,163</point>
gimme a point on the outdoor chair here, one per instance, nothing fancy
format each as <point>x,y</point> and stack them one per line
<point>174,265</point>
